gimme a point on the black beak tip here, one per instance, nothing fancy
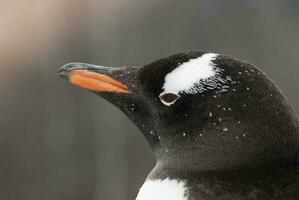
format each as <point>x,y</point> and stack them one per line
<point>63,74</point>
<point>63,71</point>
<point>66,67</point>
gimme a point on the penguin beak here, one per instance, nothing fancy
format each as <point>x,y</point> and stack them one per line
<point>92,77</point>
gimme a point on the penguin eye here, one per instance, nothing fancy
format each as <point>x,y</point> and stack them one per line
<point>168,98</point>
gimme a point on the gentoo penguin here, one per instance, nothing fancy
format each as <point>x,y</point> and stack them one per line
<point>218,127</point>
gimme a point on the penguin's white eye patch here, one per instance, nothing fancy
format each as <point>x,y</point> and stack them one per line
<point>193,77</point>
<point>168,98</point>
<point>186,76</point>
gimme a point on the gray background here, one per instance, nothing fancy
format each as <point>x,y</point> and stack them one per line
<point>60,142</point>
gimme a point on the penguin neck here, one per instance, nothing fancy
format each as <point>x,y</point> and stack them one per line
<point>228,139</point>
<point>247,175</point>
<point>228,154</point>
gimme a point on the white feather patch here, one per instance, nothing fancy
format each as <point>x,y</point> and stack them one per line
<point>185,76</point>
<point>195,76</point>
<point>166,189</point>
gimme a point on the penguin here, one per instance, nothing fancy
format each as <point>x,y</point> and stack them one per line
<point>219,127</point>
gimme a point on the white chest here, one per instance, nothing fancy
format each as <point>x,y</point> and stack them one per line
<point>166,189</point>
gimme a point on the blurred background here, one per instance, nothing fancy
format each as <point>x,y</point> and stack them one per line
<point>60,142</point>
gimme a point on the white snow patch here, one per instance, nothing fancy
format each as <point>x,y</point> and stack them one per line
<point>166,189</point>
<point>225,129</point>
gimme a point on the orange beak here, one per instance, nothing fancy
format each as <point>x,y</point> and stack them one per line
<point>90,80</point>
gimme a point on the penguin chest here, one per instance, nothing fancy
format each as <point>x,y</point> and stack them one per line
<point>167,189</point>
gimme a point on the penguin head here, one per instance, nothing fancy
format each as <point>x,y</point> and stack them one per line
<point>198,110</point>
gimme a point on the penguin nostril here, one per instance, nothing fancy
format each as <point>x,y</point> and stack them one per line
<point>169,98</point>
